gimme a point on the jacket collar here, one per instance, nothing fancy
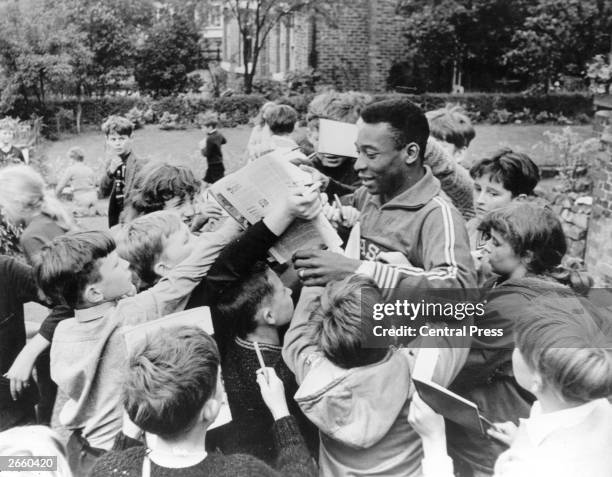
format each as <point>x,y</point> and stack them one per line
<point>84,315</point>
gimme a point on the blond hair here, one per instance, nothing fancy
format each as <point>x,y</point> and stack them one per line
<point>23,195</point>
<point>141,242</point>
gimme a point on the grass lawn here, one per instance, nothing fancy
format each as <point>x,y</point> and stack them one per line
<point>181,147</point>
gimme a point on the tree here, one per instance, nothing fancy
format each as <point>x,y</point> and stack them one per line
<point>257,18</point>
<point>170,51</point>
<point>112,30</point>
<point>559,37</point>
<point>40,50</point>
<point>470,35</point>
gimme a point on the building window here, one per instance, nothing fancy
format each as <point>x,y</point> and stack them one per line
<point>215,14</point>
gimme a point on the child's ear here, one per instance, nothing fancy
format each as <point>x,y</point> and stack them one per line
<point>93,294</point>
<point>267,315</point>
<point>411,153</point>
<point>537,384</point>
<point>210,410</point>
<point>527,258</point>
<point>161,269</point>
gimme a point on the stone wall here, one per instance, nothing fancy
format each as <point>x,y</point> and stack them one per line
<point>598,256</point>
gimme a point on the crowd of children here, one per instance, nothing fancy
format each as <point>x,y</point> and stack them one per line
<point>292,355</point>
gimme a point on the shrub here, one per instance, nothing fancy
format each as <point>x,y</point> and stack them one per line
<point>136,115</point>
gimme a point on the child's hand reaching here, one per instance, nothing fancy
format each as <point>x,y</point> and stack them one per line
<point>304,204</point>
<point>346,216</point>
<point>503,431</point>
<point>272,392</point>
<point>19,374</point>
<point>425,421</point>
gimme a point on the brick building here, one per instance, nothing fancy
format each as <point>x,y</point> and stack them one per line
<point>355,52</point>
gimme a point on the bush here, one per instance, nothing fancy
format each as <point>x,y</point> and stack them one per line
<point>136,115</point>
<point>235,109</point>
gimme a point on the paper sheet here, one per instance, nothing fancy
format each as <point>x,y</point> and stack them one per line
<point>337,138</point>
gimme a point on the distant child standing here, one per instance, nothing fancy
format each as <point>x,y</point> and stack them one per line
<point>122,166</point>
<point>9,154</point>
<point>82,180</point>
<point>211,148</point>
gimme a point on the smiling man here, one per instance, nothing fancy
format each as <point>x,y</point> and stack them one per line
<point>402,209</point>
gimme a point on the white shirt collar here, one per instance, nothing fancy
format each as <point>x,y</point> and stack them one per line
<point>94,312</point>
<point>539,426</point>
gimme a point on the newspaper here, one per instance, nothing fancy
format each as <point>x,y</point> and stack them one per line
<point>199,317</point>
<point>249,193</point>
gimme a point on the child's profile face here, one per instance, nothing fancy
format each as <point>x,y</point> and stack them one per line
<point>6,136</point>
<point>282,304</point>
<point>183,206</point>
<point>115,277</point>
<point>500,255</point>
<point>489,195</point>
<point>119,143</point>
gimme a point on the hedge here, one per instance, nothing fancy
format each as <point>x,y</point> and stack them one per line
<point>239,108</point>
<point>483,105</point>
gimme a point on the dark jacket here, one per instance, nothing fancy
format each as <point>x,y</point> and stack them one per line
<point>109,184</point>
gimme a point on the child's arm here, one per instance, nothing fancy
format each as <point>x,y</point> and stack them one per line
<point>171,293</point>
<point>298,350</point>
<point>21,370</point>
<point>293,456</point>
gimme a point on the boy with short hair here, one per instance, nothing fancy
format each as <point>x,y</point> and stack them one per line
<point>281,119</point>
<point>453,129</point>
<point>122,166</point>
<point>173,390</point>
<point>251,304</point>
<point>358,396</point>
<point>211,148</point>
<point>84,272</point>
<point>499,179</point>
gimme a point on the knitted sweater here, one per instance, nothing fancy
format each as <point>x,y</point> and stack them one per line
<point>250,429</point>
<point>293,460</point>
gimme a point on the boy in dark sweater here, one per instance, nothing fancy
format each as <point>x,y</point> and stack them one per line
<point>211,148</point>
<point>250,304</point>
<point>172,390</point>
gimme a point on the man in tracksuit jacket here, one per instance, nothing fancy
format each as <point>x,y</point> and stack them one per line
<point>402,209</point>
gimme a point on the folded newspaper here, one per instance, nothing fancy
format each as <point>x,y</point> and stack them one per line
<point>250,192</point>
<point>199,317</point>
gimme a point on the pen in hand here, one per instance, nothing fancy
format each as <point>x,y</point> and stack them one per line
<point>262,364</point>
